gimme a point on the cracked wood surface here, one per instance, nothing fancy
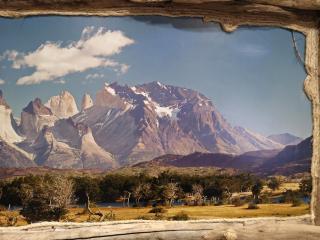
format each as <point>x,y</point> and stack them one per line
<point>250,228</point>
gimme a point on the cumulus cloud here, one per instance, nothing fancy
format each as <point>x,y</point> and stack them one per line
<point>2,82</point>
<point>52,60</point>
<point>94,76</point>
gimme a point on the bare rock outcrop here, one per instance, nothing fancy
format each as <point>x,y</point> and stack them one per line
<point>87,102</point>
<point>34,117</point>
<point>63,105</point>
<point>7,131</point>
<point>69,145</point>
<point>12,156</point>
<point>92,155</point>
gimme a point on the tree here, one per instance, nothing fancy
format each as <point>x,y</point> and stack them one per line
<point>256,189</point>
<point>146,191</point>
<point>126,198</point>
<point>86,189</point>
<point>305,186</point>
<point>170,192</point>
<point>48,199</point>
<point>197,191</point>
<point>138,193</point>
<point>274,183</point>
<point>142,190</point>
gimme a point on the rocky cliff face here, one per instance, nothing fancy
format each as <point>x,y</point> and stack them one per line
<point>63,105</point>
<point>87,102</point>
<point>67,145</point>
<point>153,119</point>
<point>92,155</point>
<point>13,157</point>
<point>7,123</point>
<point>52,153</point>
<point>34,117</point>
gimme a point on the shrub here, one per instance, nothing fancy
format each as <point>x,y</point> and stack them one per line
<point>181,216</point>
<point>253,205</point>
<point>296,202</point>
<point>219,203</point>
<point>238,202</point>
<point>305,186</point>
<point>274,183</point>
<point>144,217</point>
<point>37,210</point>
<point>158,210</point>
<point>265,198</point>
<point>48,200</point>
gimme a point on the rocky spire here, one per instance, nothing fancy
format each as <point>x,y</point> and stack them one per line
<point>7,131</point>
<point>87,102</point>
<point>2,100</point>
<point>63,105</point>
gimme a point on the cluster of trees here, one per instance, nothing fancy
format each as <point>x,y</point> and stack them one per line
<point>164,188</point>
<point>41,197</point>
<point>48,197</point>
<point>167,186</point>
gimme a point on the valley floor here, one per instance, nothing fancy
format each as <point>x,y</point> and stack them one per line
<point>193,212</point>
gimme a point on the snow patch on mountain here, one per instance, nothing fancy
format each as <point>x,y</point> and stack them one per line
<point>109,89</point>
<point>170,111</point>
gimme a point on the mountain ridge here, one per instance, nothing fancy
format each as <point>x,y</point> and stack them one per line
<point>125,125</point>
<point>290,160</point>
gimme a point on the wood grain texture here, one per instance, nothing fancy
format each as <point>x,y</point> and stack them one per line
<point>218,229</point>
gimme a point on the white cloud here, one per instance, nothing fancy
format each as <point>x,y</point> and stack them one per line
<point>60,81</point>
<point>52,60</point>
<point>124,68</point>
<point>252,50</point>
<point>94,76</point>
<point>2,82</point>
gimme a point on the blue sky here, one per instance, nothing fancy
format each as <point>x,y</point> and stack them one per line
<point>251,75</point>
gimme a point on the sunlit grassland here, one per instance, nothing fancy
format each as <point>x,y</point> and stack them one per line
<point>194,212</point>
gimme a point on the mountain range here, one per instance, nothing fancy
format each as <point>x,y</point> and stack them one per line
<point>290,160</point>
<point>123,126</point>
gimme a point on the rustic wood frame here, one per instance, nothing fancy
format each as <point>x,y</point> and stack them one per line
<point>298,15</point>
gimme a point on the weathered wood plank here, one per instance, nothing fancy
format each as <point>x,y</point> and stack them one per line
<point>255,228</point>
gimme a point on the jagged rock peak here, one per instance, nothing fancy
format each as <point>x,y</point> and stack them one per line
<point>63,105</point>
<point>36,107</point>
<point>2,100</point>
<point>108,97</point>
<point>87,102</point>
<point>8,125</point>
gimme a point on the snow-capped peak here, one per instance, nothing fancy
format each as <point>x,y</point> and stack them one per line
<point>161,85</point>
<point>109,89</point>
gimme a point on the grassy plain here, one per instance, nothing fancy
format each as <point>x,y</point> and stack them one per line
<point>194,212</point>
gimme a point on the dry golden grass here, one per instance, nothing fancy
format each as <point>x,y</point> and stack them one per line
<point>283,187</point>
<point>194,212</point>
